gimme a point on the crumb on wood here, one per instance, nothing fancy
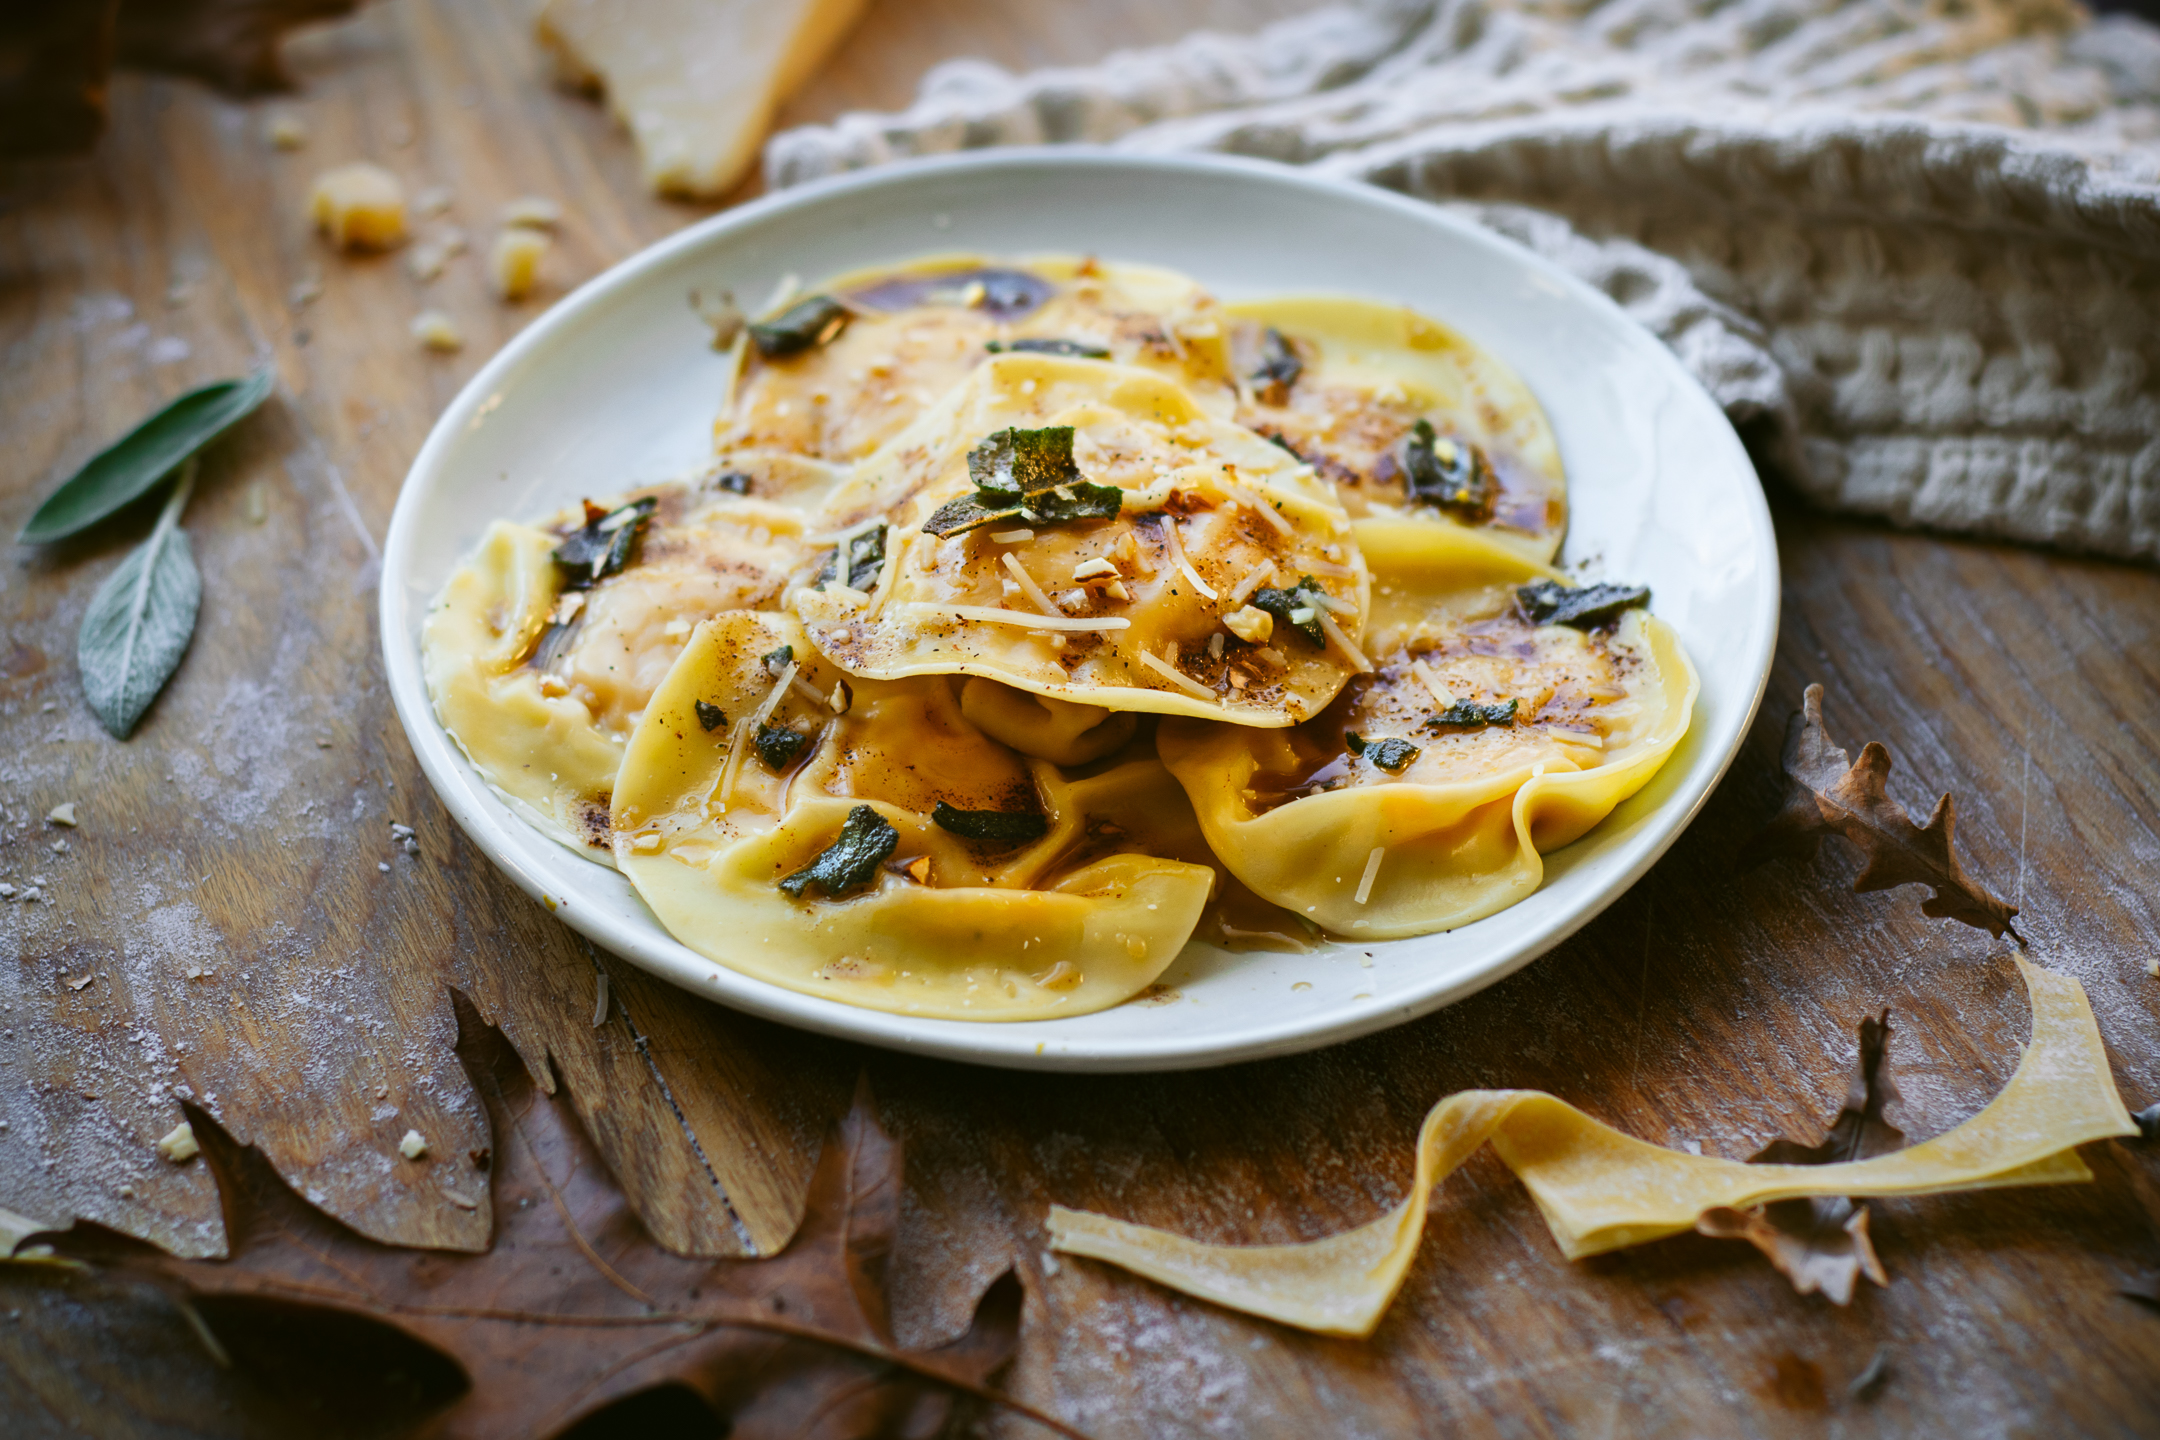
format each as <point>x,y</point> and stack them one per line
<point>62,814</point>
<point>532,212</point>
<point>436,331</point>
<point>359,207</point>
<point>432,201</point>
<point>514,264</point>
<point>178,1144</point>
<point>286,132</point>
<point>413,1146</point>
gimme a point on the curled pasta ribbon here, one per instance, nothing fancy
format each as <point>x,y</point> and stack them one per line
<point>1601,1190</point>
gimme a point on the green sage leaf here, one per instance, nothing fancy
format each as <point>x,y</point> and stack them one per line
<point>127,469</point>
<point>140,621</point>
<point>1548,602</point>
<point>1471,712</point>
<point>1070,349</point>
<point>1446,472</point>
<point>778,746</point>
<point>1287,605</point>
<point>1010,826</point>
<point>802,326</point>
<point>1029,475</point>
<point>865,842</point>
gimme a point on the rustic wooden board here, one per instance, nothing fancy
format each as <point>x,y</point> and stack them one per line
<point>224,889</point>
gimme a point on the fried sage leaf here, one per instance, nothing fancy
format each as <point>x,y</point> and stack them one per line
<point>710,717</point>
<point>1391,754</point>
<point>778,746</point>
<point>604,544</point>
<point>1827,793</point>
<point>1820,1242</point>
<point>802,326</point>
<point>1296,608</point>
<point>866,557</point>
<point>1014,826</point>
<point>1029,475</point>
<point>140,620</point>
<point>1448,473</point>
<point>866,841</point>
<point>127,469</point>
<point>1071,349</point>
<point>1583,607</point>
<point>1471,712</point>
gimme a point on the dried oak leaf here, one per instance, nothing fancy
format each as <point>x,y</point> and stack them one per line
<point>232,44</point>
<point>574,1306</point>
<point>1821,1242</point>
<point>1827,793</point>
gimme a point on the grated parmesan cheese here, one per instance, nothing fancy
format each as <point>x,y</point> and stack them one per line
<point>1372,868</point>
<point>1175,676</point>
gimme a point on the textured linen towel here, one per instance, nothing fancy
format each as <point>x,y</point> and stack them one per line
<point>1912,246</point>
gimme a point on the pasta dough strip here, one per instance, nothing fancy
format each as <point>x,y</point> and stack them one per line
<point>1602,1190</point>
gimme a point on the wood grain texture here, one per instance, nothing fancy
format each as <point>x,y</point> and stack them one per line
<point>224,888</point>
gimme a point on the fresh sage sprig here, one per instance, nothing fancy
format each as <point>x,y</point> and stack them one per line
<point>141,619</point>
<point>131,466</point>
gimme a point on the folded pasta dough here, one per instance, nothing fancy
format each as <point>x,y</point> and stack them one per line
<point>1601,1190</point>
<point>1136,610</point>
<point>753,757</point>
<point>912,332</point>
<point>1380,818</point>
<point>1346,383</point>
<point>541,685</point>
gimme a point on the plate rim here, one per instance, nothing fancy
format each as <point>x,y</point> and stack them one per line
<point>440,756</point>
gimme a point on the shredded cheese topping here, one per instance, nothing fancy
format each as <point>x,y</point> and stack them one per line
<point>1372,868</point>
<point>991,615</point>
<point>1174,675</point>
<point>1028,587</point>
<point>1176,547</point>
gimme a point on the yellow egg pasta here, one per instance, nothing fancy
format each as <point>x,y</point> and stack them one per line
<point>1038,617</point>
<point>1601,1190</point>
<point>540,673</point>
<point>1060,916</point>
<point>1425,796</point>
<point>1347,384</point>
<point>1152,601</point>
<point>901,337</point>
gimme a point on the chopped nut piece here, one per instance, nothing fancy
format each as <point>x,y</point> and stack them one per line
<point>437,331</point>
<point>179,1144</point>
<point>285,131</point>
<point>1116,590</point>
<point>1094,569</point>
<point>62,814</point>
<point>514,264</point>
<point>843,698</point>
<point>532,212</point>
<point>918,869</point>
<point>79,981</point>
<point>1251,624</point>
<point>359,207</point>
<point>59,847</point>
<point>412,1147</point>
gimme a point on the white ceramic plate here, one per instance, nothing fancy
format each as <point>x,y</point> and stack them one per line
<point>616,386</point>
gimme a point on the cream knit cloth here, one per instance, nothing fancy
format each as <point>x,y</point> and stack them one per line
<point>1913,246</point>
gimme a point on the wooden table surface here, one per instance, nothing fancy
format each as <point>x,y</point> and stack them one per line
<point>224,892</point>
